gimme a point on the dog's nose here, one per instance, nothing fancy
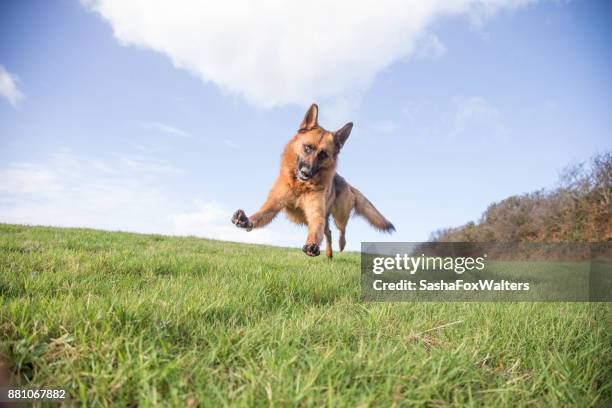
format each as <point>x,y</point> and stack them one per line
<point>305,171</point>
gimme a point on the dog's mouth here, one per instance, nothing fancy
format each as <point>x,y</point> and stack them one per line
<point>303,175</point>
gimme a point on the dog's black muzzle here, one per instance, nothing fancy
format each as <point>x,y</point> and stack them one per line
<point>304,172</point>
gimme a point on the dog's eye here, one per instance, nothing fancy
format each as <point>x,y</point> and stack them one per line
<point>307,149</point>
<point>323,155</point>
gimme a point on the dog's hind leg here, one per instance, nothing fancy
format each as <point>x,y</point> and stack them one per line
<point>328,239</point>
<point>342,239</point>
<point>341,218</point>
<point>343,205</point>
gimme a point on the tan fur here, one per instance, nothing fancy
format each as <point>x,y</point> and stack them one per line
<point>311,201</point>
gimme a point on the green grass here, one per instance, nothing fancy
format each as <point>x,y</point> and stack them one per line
<point>122,319</point>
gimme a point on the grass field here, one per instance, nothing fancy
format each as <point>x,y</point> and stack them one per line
<point>122,319</point>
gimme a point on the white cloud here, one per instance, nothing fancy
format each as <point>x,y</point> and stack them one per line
<point>171,130</point>
<point>430,47</point>
<point>275,52</point>
<point>24,178</point>
<point>68,190</point>
<point>231,144</point>
<point>120,193</point>
<point>341,108</point>
<point>475,115</point>
<point>8,87</point>
<point>145,164</point>
<point>384,127</point>
<point>411,110</point>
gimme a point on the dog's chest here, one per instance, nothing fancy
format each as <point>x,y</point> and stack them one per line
<point>295,214</point>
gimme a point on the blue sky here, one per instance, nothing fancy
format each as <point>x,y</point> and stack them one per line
<point>124,116</point>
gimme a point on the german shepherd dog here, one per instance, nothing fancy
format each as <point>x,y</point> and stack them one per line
<point>308,189</point>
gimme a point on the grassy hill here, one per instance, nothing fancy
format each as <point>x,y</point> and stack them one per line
<point>126,319</point>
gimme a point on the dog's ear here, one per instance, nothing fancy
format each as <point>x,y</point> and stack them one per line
<point>341,135</point>
<point>311,117</point>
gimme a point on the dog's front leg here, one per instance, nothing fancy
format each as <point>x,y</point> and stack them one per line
<point>260,219</point>
<point>314,210</point>
<point>267,212</point>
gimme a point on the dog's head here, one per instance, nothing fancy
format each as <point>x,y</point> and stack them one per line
<point>317,149</point>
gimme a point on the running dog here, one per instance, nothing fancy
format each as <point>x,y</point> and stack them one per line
<point>309,190</point>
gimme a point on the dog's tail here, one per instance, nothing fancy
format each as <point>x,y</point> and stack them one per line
<point>366,209</point>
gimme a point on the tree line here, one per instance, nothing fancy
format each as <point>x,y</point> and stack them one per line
<point>577,209</point>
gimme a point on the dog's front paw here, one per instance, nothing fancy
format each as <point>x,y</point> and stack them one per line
<point>311,249</point>
<point>241,220</point>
